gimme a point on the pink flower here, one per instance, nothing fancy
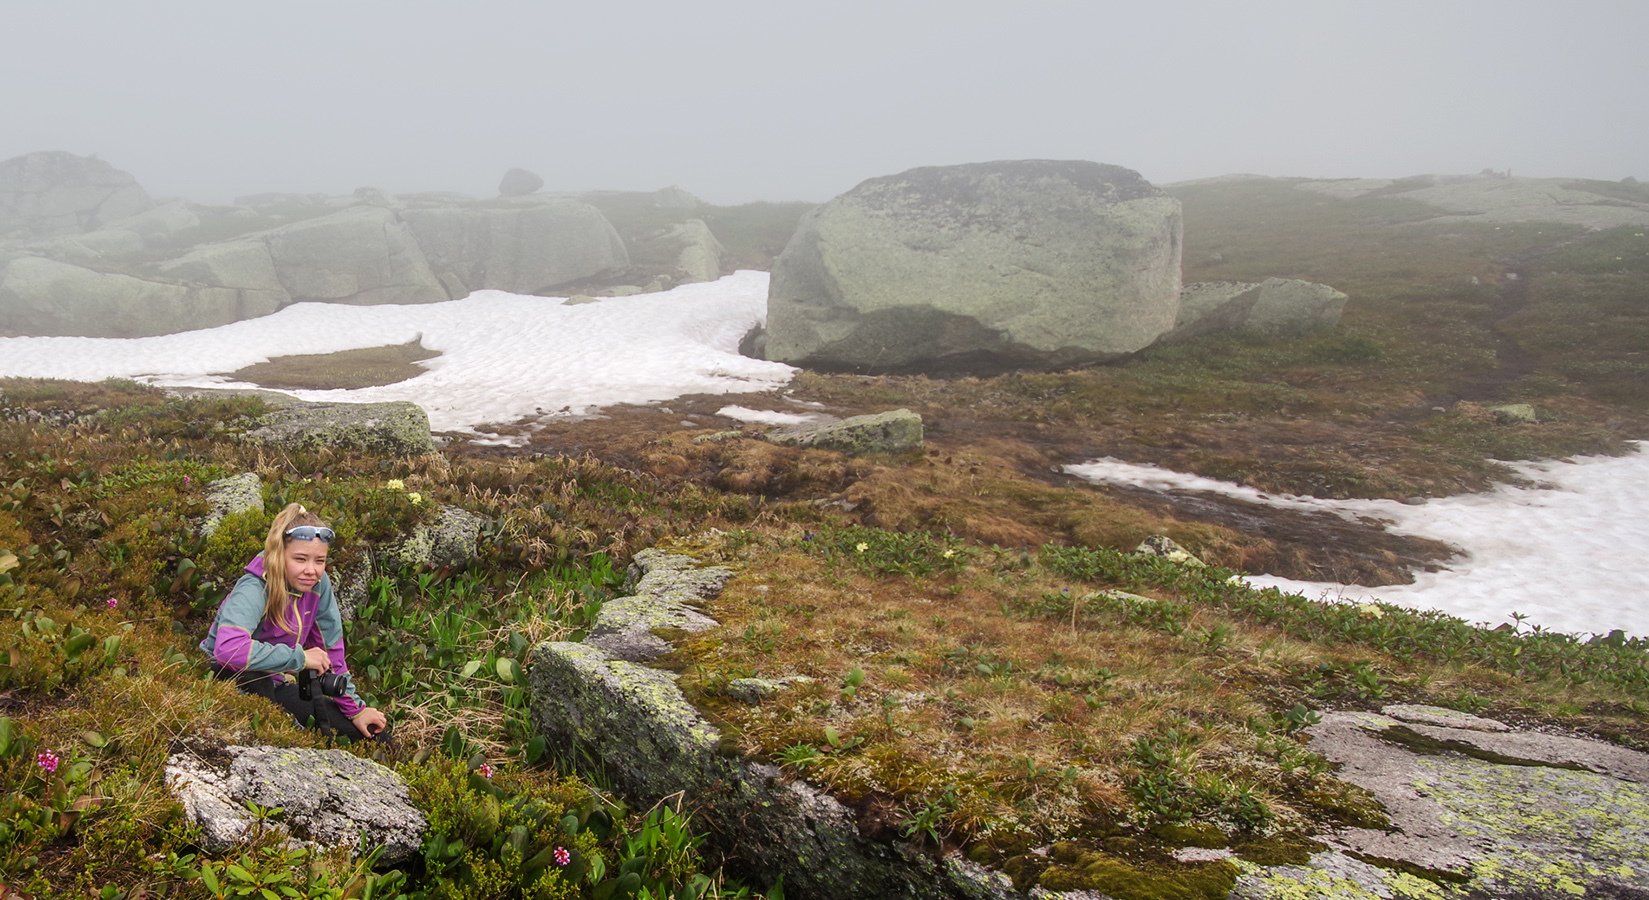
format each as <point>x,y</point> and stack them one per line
<point>485,770</point>
<point>113,603</point>
<point>562,857</point>
<point>47,760</point>
<point>187,479</point>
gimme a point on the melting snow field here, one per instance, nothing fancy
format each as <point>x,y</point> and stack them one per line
<point>504,356</point>
<point>1569,554</point>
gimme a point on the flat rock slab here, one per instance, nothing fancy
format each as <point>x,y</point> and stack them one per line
<point>328,798</point>
<point>890,432</point>
<point>1478,810</point>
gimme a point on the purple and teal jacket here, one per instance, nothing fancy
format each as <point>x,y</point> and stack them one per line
<point>241,641</point>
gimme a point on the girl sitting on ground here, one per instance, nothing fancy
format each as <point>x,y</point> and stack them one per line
<point>281,619</point>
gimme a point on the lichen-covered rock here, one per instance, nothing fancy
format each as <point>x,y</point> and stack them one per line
<point>890,432</point>
<point>451,540</point>
<point>228,496</point>
<point>676,576</point>
<point>665,588</point>
<point>1165,547</point>
<point>397,428</point>
<point>979,268</point>
<point>1273,306</point>
<point>1475,811</point>
<point>329,798</point>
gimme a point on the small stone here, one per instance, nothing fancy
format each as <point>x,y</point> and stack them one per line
<point>1163,546</point>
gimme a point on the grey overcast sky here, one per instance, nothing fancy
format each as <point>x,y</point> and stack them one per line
<point>778,100</point>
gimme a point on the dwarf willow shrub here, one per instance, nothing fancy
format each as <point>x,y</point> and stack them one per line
<point>1612,659</point>
<point>875,551</point>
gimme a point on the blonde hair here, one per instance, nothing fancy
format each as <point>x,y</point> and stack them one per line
<point>277,604</point>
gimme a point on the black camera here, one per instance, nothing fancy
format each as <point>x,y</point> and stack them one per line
<point>332,684</point>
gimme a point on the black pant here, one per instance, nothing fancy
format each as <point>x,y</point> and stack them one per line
<point>321,712</point>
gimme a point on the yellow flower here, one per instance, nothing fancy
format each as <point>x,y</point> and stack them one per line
<point>1371,611</point>
<point>415,497</point>
<point>862,547</point>
<point>396,484</point>
<point>948,553</point>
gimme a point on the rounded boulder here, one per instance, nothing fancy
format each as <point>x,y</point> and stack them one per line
<point>979,268</point>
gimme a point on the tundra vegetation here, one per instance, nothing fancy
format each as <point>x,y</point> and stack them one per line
<point>988,668</point>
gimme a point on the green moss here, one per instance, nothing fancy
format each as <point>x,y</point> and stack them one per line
<point>1414,741</point>
<point>1349,804</point>
<point>1279,850</point>
<point>1193,835</point>
<point>1078,870</point>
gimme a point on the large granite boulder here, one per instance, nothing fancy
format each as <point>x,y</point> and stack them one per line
<point>328,798</point>
<point>1274,306</point>
<point>53,192</point>
<point>361,255</point>
<point>41,296</point>
<point>525,246</point>
<point>979,268</point>
<point>700,257</point>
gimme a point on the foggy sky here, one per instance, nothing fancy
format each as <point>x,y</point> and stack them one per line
<point>777,100</point>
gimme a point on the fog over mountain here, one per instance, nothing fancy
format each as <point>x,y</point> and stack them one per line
<point>740,101</point>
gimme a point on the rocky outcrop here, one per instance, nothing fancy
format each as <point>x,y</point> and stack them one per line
<point>651,744</point>
<point>53,192</point>
<point>519,182</point>
<point>526,246</point>
<point>1478,809</point>
<point>397,428</point>
<point>43,296</point>
<point>328,798</point>
<point>979,268</point>
<point>1274,306</point>
<point>361,255</point>
<point>700,257</point>
<point>85,252</point>
<point>894,431</point>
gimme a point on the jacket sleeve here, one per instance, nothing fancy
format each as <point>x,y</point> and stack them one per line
<point>231,639</point>
<point>328,634</point>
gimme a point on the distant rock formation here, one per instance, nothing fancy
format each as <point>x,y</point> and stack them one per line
<point>525,247</point>
<point>519,183</point>
<point>91,255</point>
<point>979,268</point>
<point>52,192</point>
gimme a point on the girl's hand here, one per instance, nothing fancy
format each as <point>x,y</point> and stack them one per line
<point>316,658</point>
<point>369,721</point>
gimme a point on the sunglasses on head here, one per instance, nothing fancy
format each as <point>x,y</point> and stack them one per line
<point>310,533</point>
